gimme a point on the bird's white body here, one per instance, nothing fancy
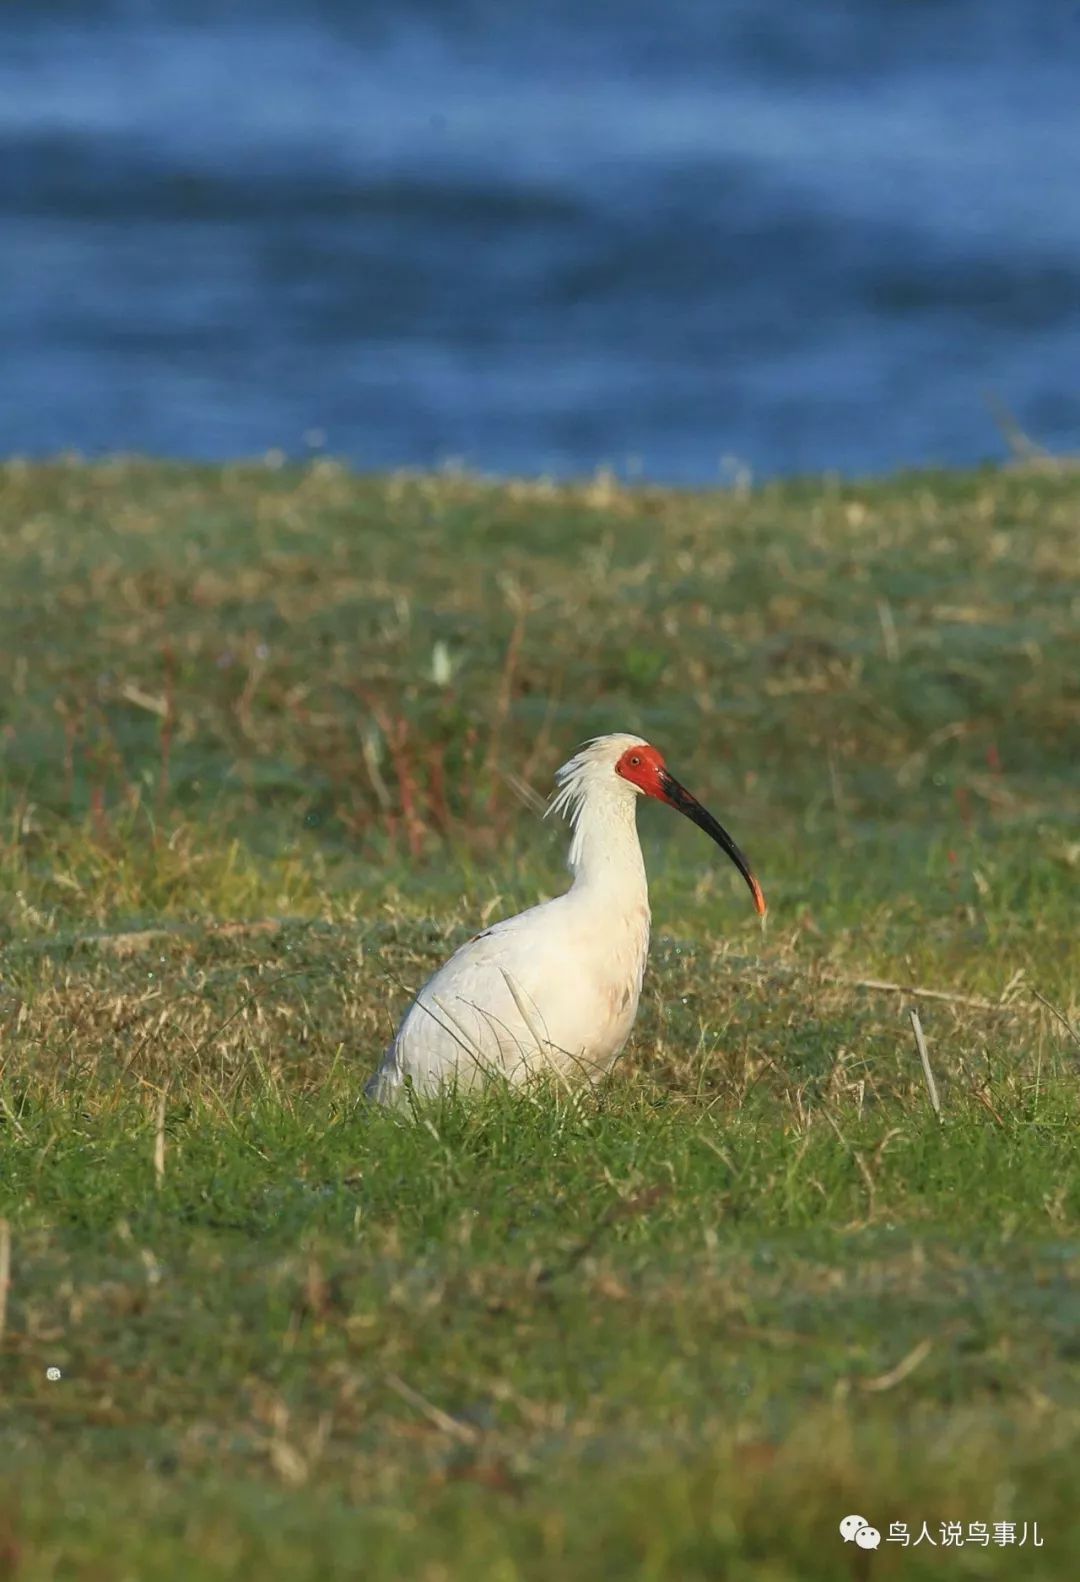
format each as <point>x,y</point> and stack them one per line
<point>556,988</point>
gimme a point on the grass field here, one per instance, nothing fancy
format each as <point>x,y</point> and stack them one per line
<point>271,743</point>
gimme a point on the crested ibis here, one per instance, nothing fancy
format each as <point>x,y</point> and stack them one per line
<point>554,989</point>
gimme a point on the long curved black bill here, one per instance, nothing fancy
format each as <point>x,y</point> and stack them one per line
<point>678,797</point>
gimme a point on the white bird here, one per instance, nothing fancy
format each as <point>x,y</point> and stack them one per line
<point>554,989</point>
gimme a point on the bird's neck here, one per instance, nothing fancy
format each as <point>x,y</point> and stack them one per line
<point>605,853</point>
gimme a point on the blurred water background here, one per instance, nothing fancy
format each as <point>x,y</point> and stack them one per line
<point>670,236</point>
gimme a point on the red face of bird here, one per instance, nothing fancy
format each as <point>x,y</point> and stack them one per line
<point>645,768</point>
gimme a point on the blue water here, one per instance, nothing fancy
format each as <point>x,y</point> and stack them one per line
<point>670,236</point>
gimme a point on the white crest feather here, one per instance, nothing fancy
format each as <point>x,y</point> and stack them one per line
<point>593,761</point>
<point>591,774</point>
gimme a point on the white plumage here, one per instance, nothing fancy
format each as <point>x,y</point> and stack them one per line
<point>554,989</point>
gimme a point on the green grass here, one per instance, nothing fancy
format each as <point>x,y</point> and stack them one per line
<point>267,740</point>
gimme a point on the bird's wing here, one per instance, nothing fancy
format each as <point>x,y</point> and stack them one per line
<point>478,1012</point>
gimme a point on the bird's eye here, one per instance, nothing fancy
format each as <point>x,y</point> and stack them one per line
<point>635,761</point>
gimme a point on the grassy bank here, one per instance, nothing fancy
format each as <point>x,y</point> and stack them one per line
<point>270,744</point>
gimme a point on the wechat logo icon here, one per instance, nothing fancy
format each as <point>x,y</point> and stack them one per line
<point>856,1529</point>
